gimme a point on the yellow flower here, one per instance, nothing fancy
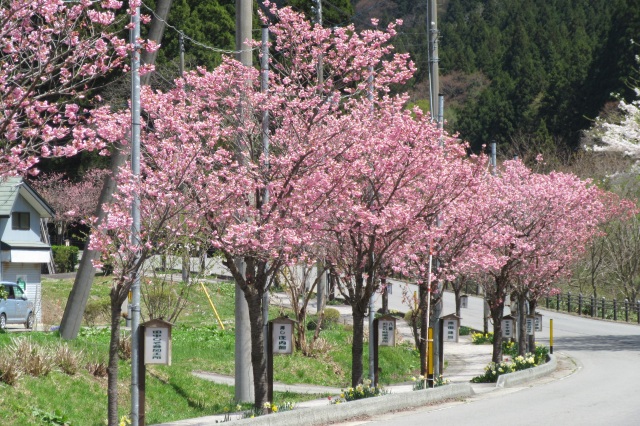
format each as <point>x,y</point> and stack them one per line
<point>274,408</point>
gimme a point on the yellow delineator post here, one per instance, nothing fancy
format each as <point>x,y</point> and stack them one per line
<point>551,336</point>
<point>212,305</point>
<point>430,359</point>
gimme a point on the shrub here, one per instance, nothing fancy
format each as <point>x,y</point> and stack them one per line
<point>65,258</point>
<point>465,331</point>
<point>97,311</point>
<point>331,316</point>
<point>312,324</point>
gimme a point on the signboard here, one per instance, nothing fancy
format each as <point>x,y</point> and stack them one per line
<point>530,323</point>
<point>538,322</point>
<point>450,327</point>
<point>464,301</point>
<point>451,330</point>
<point>282,337</point>
<point>157,342</point>
<point>508,326</point>
<point>386,332</point>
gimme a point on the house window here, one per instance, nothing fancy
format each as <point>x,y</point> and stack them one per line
<point>20,220</point>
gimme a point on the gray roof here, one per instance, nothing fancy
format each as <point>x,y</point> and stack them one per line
<point>25,245</point>
<point>11,186</point>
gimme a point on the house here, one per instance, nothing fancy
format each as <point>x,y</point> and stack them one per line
<point>22,250</point>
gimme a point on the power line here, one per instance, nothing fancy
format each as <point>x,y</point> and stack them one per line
<point>197,43</point>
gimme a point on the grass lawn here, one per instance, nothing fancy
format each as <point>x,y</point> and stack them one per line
<point>172,392</point>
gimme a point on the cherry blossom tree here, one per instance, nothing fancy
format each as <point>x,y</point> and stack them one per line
<point>623,137</point>
<point>279,202</point>
<point>53,51</point>
<point>73,202</point>
<point>166,210</point>
<point>404,173</point>
<point>546,222</point>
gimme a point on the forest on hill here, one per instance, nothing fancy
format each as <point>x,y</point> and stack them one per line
<point>524,73</point>
<point>531,75</point>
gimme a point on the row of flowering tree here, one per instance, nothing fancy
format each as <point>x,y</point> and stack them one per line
<point>350,176</point>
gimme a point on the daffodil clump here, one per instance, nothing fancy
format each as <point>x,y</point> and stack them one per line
<point>364,390</point>
<point>419,382</point>
<point>481,338</point>
<point>495,370</point>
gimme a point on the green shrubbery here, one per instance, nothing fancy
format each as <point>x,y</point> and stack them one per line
<point>331,316</point>
<point>98,311</point>
<point>65,258</point>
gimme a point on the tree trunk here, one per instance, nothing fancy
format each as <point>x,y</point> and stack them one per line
<point>385,296</point>
<point>497,313</point>
<point>522,324</point>
<point>424,327</point>
<point>436,313</point>
<point>357,348</point>
<point>77,302</point>
<point>258,359</point>
<point>457,290</point>
<point>533,304</point>
<point>112,369</point>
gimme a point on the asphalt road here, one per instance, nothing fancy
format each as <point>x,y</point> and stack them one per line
<point>604,390</point>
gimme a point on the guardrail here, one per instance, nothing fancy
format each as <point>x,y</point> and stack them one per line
<point>597,308</point>
<point>585,305</point>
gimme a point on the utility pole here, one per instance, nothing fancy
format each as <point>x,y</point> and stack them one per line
<point>432,25</point>
<point>243,368</point>
<point>181,41</point>
<point>135,215</point>
<point>372,312</point>
<point>321,276</point>
<point>437,307</point>
<point>264,88</point>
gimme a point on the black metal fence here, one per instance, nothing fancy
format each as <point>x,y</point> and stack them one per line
<point>616,310</point>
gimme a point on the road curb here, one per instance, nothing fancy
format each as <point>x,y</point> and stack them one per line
<point>347,410</point>
<point>524,376</point>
